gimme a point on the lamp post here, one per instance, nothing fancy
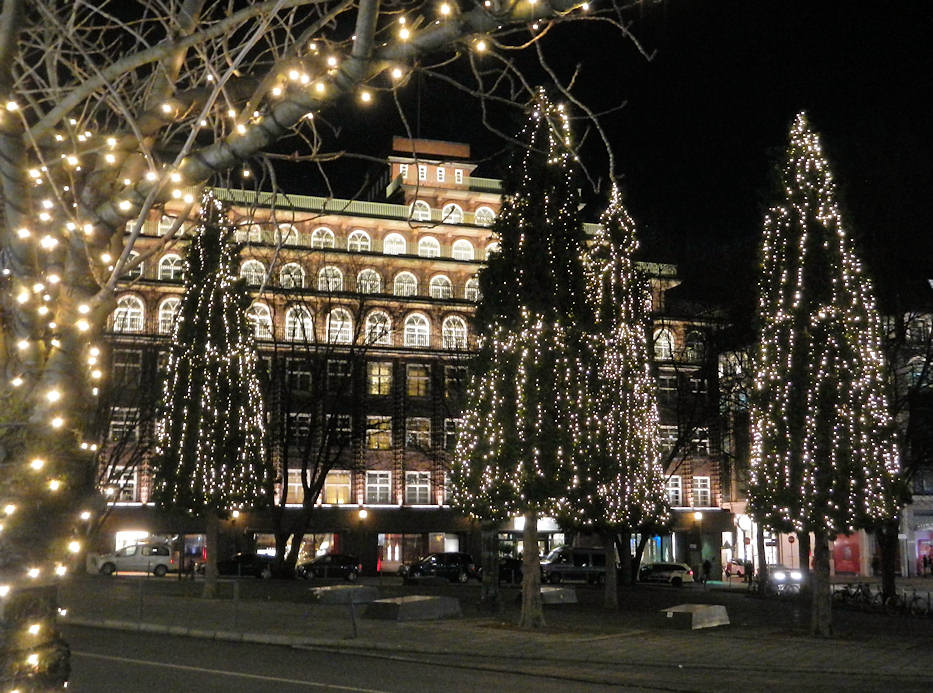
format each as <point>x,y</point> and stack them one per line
<point>698,519</point>
<point>361,515</point>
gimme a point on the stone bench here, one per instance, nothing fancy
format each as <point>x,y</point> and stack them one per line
<point>345,594</point>
<point>413,608</point>
<point>696,616</point>
<point>558,595</point>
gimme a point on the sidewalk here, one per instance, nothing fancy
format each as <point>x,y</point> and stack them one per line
<point>765,635</point>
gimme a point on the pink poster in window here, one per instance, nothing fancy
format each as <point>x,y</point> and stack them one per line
<point>846,554</point>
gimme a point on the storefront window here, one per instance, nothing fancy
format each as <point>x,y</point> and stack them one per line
<point>337,487</point>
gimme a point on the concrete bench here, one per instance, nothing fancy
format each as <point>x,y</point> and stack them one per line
<point>413,608</point>
<point>558,595</point>
<point>696,616</point>
<point>345,594</point>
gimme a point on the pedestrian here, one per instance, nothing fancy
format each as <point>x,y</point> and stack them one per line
<point>875,565</point>
<point>927,564</point>
<point>707,567</point>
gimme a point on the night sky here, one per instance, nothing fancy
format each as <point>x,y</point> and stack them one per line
<point>706,118</point>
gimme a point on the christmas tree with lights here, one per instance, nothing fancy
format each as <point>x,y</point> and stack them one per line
<point>211,456</point>
<point>823,455</point>
<point>620,482</point>
<point>521,424</point>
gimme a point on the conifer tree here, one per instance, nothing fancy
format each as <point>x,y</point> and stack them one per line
<point>823,452</point>
<point>515,455</point>
<point>210,456</point>
<point>620,483</point>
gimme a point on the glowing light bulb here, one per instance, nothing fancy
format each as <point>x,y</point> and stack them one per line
<point>57,422</point>
<point>404,33</point>
<point>365,96</point>
<point>481,46</point>
<point>396,73</point>
<point>167,108</point>
<point>319,87</point>
<point>22,232</point>
<point>85,515</point>
<point>33,573</point>
<point>445,9</point>
<point>332,61</point>
<point>83,325</point>
<point>16,382</point>
<point>60,570</point>
<point>33,660</point>
<point>53,395</point>
<point>33,629</point>
<point>37,463</point>
<point>124,205</point>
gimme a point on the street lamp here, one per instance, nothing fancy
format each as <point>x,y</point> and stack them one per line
<point>698,518</point>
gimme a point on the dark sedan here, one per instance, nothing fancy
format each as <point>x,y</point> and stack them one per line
<point>246,565</point>
<point>330,565</point>
<point>456,567</point>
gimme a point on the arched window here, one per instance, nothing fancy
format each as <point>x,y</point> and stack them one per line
<point>406,284</point>
<point>322,238</point>
<point>359,242</point>
<point>471,290</point>
<point>253,271</point>
<point>292,276</point>
<point>378,328</point>
<point>420,211</point>
<point>165,225</point>
<point>484,216</point>
<point>429,247</point>
<point>168,309</point>
<point>368,281</point>
<point>339,326</point>
<point>663,344</point>
<point>462,250</point>
<point>171,268</point>
<point>417,331</point>
<point>492,248</point>
<point>451,214</point>
<point>137,271</point>
<point>260,317</point>
<point>330,279</point>
<point>299,325</point>
<point>287,234</point>
<point>129,315</point>
<point>694,346</point>
<point>441,287</point>
<point>454,332</point>
<point>394,244</point>
<point>254,233</point>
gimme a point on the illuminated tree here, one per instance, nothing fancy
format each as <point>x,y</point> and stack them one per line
<point>515,455</point>
<point>823,454</point>
<point>619,482</point>
<point>211,452</point>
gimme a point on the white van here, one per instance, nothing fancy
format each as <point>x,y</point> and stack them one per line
<point>146,557</point>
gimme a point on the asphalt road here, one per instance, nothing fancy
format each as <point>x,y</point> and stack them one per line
<point>104,661</point>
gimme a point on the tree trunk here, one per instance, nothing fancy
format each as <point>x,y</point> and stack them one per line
<point>624,549</point>
<point>803,555</point>
<point>211,535</point>
<point>762,560</point>
<point>532,609</point>
<point>821,615</point>
<point>886,534</point>
<point>611,593</point>
<point>490,599</point>
<point>643,539</point>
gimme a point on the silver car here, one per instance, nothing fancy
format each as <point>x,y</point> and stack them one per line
<point>146,557</point>
<point>675,574</point>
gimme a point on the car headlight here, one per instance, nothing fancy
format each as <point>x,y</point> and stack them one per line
<point>780,575</point>
<point>796,575</point>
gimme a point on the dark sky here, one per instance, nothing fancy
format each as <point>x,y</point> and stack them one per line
<point>705,119</point>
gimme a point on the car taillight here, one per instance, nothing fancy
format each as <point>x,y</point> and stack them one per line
<point>689,572</point>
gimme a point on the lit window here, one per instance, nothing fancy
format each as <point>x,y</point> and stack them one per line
<point>168,309</point>
<point>339,327</point>
<point>288,235</point>
<point>123,480</point>
<point>368,281</point>
<point>418,379</point>
<point>124,425</point>
<point>471,290</point>
<point>454,332</point>
<point>378,328</point>
<point>491,248</point>
<point>299,325</point>
<point>129,315</point>
<point>675,495</point>
<point>451,431</point>
<point>394,244</point>
<point>462,250</point>
<point>417,488</point>
<point>379,378</point>
<point>702,498</point>
<point>452,214</point>
<point>260,317</point>
<point>418,433</point>
<point>663,344</point>
<point>322,238</point>
<point>254,233</point>
<point>298,432</point>
<point>699,443</point>
<point>441,287</point>
<point>484,216</point>
<point>165,225</point>
<point>694,346</point>
<point>378,488</point>
<point>292,276</point>
<point>668,437</point>
<point>458,176</point>
<point>359,242</point>
<point>378,432</point>
<point>336,487</point>
<point>403,171</point>
<point>406,284</point>
<point>171,268</point>
<point>137,271</point>
<point>429,247</point>
<point>422,172</point>
<point>441,174</point>
<point>253,272</point>
<point>330,279</point>
<point>417,331</point>
<point>420,210</point>
<point>296,490</point>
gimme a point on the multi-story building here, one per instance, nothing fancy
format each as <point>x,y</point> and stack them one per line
<point>361,312</point>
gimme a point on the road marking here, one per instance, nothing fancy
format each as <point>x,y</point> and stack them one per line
<point>203,670</point>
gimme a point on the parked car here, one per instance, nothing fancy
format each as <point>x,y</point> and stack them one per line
<point>330,565</point>
<point>246,564</point>
<point>456,567</point>
<point>151,557</point>
<point>735,567</point>
<point>574,563</point>
<point>675,574</point>
<point>783,580</point>
<point>510,569</point>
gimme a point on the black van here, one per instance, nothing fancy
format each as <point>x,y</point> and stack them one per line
<point>574,563</point>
